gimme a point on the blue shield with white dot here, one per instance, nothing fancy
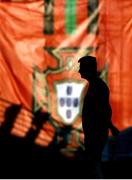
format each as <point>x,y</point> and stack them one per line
<point>68,100</point>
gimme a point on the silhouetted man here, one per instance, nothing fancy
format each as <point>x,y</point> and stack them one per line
<point>96,113</point>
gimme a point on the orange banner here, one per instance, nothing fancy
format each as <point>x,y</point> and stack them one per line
<point>40,43</point>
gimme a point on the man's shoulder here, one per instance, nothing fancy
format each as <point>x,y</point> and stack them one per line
<point>102,84</point>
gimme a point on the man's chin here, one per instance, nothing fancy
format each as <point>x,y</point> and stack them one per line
<point>82,77</point>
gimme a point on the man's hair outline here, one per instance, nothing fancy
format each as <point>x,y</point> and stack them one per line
<point>88,61</point>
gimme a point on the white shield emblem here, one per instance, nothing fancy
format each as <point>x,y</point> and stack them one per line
<point>68,100</point>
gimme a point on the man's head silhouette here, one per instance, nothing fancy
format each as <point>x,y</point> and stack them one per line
<point>88,67</point>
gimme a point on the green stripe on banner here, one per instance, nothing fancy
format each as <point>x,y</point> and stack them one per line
<point>70,16</point>
<point>92,12</point>
<point>48,17</point>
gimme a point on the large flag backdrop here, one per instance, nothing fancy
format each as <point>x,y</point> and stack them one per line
<point>40,43</point>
